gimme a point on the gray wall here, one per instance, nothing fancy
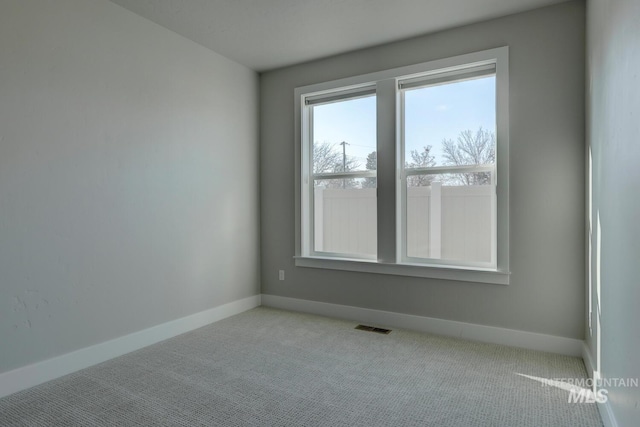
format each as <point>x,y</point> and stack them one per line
<point>128,177</point>
<point>546,294</point>
<point>614,128</point>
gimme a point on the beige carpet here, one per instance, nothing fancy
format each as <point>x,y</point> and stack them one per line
<point>270,367</point>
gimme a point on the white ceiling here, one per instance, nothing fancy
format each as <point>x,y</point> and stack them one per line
<point>267,34</point>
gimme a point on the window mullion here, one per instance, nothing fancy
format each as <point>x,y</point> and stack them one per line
<point>348,174</point>
<point>441,170</point>
<point>386,169</point>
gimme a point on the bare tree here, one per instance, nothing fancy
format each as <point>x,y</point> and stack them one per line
<point>420,159</point>
<point>327,158</point>
<point>471,148</point>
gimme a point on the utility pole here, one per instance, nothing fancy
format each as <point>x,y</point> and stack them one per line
<point>344,160</point>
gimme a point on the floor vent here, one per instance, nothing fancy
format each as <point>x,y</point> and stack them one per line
<point>373,329</point>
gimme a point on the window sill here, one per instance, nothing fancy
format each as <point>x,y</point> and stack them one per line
<point>496,277</point>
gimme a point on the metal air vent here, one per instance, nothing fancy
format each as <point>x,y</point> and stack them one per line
<point>373,329</point>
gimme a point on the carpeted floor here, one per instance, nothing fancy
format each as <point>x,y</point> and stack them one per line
<point>269,367</point>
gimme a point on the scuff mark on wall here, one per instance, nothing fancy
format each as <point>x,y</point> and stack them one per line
<point>19,304</point>
<point>29,308</point>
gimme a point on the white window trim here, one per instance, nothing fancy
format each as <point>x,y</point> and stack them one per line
<point>390,259</point>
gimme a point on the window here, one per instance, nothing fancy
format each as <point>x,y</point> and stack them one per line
<point>405,171</point>
<point>448,169</point>
<point>342,208</point>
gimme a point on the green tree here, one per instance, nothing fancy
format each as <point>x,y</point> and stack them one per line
<point>372,164</point>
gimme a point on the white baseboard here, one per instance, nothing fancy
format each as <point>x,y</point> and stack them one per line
<point>38,373</point>
<point>606,413</point>
<point>588,361</point>
<point>490,334</point>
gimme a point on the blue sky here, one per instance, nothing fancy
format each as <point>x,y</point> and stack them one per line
<point>431,115</point>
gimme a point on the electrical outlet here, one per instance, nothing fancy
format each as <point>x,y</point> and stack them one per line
<point>281,274</point>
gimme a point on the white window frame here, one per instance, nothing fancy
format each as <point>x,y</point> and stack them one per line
<point>390,177</point>
<point>430,79</point>
<point>308,207</point>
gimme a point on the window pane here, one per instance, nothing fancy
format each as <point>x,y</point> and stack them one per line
<point>451,124</point>
<point>345,216</point>
<point>451,217</point>
<point>344,135</point>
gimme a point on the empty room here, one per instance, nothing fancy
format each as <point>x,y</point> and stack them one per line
<point>320,213</point>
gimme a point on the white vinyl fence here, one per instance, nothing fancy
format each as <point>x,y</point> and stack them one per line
<point>443,222</point>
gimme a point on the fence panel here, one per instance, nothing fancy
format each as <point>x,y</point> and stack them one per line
<point>466,223</point>
<point>346,222</point>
